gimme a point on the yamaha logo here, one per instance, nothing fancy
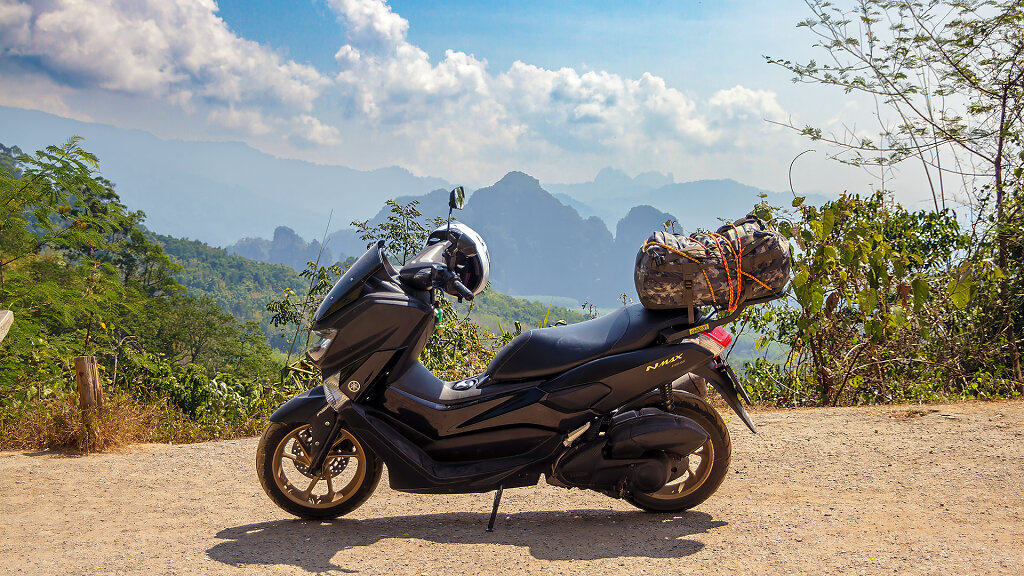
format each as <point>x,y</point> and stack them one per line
<point>353,386</point>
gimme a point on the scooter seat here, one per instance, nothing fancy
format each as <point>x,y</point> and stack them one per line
<point>546,351</point>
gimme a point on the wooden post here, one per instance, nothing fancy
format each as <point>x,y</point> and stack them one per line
<point>90,393</point>
<point>6,319</point>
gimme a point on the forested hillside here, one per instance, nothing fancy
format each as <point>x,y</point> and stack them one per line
<point>286,247</point>
<point>82,279</point>
<point>242,287</point>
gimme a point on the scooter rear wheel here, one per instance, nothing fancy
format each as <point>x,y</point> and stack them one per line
<point>350,473</point>
<point>695,477</point>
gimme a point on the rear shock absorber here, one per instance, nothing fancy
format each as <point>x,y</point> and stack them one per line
<point>666,398</point>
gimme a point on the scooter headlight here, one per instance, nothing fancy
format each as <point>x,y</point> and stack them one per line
<point>332,391</point>
<point>319,348</point>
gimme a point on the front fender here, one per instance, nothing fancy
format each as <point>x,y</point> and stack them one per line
<point>302,408</point>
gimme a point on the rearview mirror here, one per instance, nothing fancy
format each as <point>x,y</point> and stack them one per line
<point>457,199</point>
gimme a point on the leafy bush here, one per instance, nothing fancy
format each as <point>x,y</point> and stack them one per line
<point>83,279</point>
<point>886,307</point>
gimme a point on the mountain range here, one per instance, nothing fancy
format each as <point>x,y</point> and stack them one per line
<point>216,192</point>
<point>552,240</point>
<point>543,248</point>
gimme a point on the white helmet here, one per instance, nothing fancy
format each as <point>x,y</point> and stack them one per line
<point>469,256</point>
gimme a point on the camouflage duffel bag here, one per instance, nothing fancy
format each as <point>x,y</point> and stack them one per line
<point>742,261</point>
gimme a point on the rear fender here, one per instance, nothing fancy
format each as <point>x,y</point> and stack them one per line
<point>723,379</point>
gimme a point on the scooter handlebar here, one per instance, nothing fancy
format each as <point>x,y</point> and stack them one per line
<point>461,289</point>
<point>425,275</point>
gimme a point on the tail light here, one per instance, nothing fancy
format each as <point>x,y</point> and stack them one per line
<point>716,341</point>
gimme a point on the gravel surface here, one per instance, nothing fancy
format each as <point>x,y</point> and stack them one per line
<point>904,490</point>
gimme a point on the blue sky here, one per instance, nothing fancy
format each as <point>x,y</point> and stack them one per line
<point>702,45</point>
<point>462,90</point>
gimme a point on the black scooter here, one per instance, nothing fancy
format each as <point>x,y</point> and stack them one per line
<point>615,404</point>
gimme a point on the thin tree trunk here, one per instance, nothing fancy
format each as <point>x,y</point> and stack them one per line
<point>1001,242</point>
<point>819,364</point>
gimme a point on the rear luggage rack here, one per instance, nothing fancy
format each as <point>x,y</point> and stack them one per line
<point>676,333</point>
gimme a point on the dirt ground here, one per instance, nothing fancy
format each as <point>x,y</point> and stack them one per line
<point>904,490</point>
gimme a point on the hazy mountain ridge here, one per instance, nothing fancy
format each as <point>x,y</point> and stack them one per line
<point>541,246</point>
<point>217,191</point>
<point>553,240</point>
<point>287,247</point>
<point>612,183</point>
<point>538,245</point>
<point>346,242</point>
<point>699,204</point>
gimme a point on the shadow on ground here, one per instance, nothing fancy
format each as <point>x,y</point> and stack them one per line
<point>571,535</point>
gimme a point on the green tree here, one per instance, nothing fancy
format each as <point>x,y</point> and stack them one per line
<point>405,230</point>
<point>948,77</point>
<point>56,219</point>
<point>869,283</point>
<point>82,278</point>
<point>458,348</point>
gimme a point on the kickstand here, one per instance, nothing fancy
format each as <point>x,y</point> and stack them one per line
<point>494,511</point>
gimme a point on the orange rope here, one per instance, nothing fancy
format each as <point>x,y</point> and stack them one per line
<point>759,282</point>
<point>735,291</point>
<point>725,264</point>
<point>670,249</point>
<point>714,297</point>
<point>739,263</point>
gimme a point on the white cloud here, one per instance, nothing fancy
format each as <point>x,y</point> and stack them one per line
<point>740,102</point>
<point>389,80</point>
<point>526,112</point>
<point>601,108</point>
<point>371,23</point>
<point>14,21</point>
<point>740,115</point>
<point>386,103</point>
<point>241,121</point>
<point>310,130</point>
<point>176,51</point>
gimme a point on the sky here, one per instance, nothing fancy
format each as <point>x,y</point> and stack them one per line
<point>457,89</point>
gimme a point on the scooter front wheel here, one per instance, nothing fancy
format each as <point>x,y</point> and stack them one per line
<point>350,472</point>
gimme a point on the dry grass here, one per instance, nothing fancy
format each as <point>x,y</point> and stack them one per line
<point>59,424</point>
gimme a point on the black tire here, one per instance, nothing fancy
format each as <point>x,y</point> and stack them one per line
<point>281,460</point>
<point>691,485</point>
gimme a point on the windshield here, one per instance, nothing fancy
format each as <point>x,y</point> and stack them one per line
<point>347,288</point>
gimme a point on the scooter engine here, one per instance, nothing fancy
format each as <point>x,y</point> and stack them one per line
<point>633,455</point>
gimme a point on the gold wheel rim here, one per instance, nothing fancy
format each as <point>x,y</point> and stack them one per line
<point>287,473</point>
<point>687,481</point>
